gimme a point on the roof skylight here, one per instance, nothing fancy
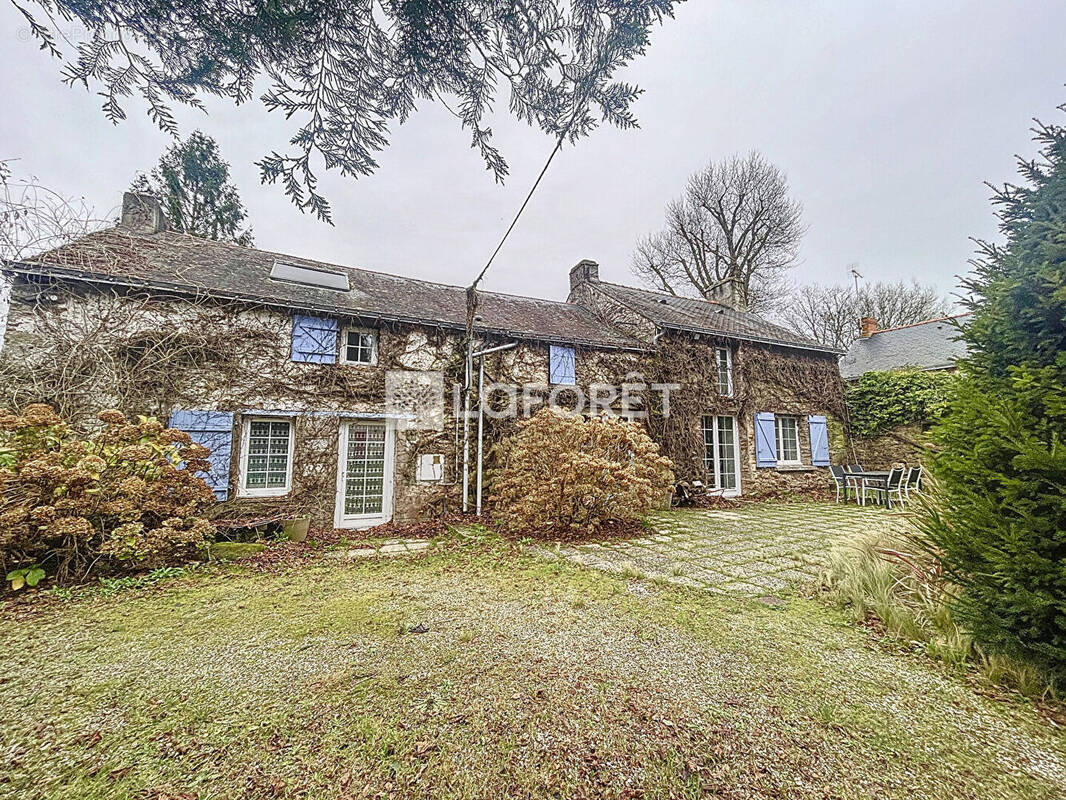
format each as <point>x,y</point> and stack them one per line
<point>309,276</point>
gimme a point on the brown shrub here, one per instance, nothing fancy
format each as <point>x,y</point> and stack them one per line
<point>122,498</point>
<point>563,471</point>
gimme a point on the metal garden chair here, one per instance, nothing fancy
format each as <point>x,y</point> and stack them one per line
<point>893,484</point>
<point>913,483</point>
<point>840,478</point>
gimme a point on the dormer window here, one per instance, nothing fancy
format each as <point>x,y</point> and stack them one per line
<point>359,346</point>
<point>724,359</point>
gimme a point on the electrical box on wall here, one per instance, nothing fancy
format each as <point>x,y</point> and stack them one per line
<point>431,467</point>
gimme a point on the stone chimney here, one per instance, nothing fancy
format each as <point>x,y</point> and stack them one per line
<point>867,327</point>
<point>729,293</point>
<point>584,271</point>
<point>142,213</point>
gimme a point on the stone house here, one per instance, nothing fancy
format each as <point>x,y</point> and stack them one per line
<point>310,381</point>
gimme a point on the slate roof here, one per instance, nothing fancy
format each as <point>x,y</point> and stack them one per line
<point>185,264</point>
<point>706,316</point>
<point>928,345</point>
<point>189,264</point>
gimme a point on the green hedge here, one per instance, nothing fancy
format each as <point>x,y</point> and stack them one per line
<point>880,401</point>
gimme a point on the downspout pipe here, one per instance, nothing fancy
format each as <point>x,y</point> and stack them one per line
<point>466,422</point>
<point>481,412</point>
<point>480,426</point>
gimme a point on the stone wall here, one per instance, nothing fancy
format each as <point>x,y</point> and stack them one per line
<point>83,349</point>
<point>907,444</point>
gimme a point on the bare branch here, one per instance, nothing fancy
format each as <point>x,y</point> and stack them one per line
<point>34,218</point>
<point>831,314</point>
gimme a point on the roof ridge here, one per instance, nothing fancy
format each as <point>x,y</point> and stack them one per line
<point>751,326</point>
<point>543,317</point>
<point>331,264</point>
<point>923,322</point>
<point>673,296</point>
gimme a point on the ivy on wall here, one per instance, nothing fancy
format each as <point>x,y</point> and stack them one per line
<point>881,401</point>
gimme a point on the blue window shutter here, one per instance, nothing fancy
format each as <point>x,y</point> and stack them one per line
<point>819,440</point>
<point>765,440</point>
<point>214,430</point>
<point>562,365</point>
<point>314,339</point>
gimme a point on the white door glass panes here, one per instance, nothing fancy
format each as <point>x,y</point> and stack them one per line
<point>725,371</point>
<point>727,458</point>
<point>268,454</point>
<point>364,479</point>
<point>359,347</point>
<point>720,453</point>
<point>788,440</point>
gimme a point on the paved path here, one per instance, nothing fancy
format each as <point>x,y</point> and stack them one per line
<point>757,549</point>
<point>387,547</point>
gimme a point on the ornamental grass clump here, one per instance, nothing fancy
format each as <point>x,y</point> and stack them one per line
<point>123,498</point>
<point>561,471</point>
<point>891,574</point>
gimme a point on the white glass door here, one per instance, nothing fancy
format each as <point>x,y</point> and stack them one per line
<point>364,476</point>
<point>721,455</point>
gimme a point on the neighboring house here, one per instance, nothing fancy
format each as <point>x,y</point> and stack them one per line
<point>281,364</point>
<point>929,345</point>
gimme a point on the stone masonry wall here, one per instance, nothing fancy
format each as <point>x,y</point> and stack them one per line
<point>151,355</point>
<point>907,444</point>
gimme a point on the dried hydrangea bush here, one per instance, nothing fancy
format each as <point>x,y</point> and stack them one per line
<point>563,471</point>
<point>123,497</point>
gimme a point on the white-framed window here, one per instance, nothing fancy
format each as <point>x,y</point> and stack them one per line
<point>266,456</point>
<point>359,346</point>
<point>788,439</point>
<point>721,454</point>
<point>723,357</point>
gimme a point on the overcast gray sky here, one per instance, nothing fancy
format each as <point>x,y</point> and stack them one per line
<point>886,116</point>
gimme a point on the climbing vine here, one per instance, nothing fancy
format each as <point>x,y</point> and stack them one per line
<point>878,402</point>
<point>764,379</point>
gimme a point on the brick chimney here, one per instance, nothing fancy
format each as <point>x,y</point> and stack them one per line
<point>729,293</point>
<point>585,270</point>
<point>142,213</point>
<point>867,327</point>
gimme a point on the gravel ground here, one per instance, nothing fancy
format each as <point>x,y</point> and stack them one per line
<point>529,678</point>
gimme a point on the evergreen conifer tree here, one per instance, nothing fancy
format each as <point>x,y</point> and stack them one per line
<point>999,522</point>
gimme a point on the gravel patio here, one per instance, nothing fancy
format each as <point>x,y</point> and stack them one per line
<point>754,549</point>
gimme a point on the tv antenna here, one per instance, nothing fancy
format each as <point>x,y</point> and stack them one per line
<point>856,275</point>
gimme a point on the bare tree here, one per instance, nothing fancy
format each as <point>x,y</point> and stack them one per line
<point>734,220</point>
<point>823,313</point>
<point>831,314</point>
<point>34,218</point>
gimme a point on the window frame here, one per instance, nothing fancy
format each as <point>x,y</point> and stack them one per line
<point>344,345</point>
<point>573,360</point>
<point>243,490</point>
<point>779,435</point>
<point>728,370</point>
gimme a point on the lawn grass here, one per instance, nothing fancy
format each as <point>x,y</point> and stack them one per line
<point>535,678</point>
